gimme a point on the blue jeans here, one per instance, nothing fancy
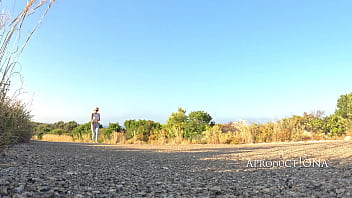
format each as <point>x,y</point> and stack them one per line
<point>95,131</point>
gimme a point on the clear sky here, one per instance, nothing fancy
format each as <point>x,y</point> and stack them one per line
<point>233,59</point>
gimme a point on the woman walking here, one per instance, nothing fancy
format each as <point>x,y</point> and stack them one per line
<point>94,120</point>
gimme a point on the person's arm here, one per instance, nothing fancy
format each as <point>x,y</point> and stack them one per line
<point>99,117</point>
<point>91,117</point>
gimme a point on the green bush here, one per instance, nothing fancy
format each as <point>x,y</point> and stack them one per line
<point>136,127</point>
<point>334,125</point>
<point>79,131</point>
<point>15,125</point>
<point>113,127</point>
<point>58,132</point>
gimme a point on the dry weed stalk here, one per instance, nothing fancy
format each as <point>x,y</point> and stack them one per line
<point>14,116</point>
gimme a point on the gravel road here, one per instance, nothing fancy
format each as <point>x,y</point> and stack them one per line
<point>52,169</point>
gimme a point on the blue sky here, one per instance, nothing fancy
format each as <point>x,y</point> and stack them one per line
<point>257,60</point>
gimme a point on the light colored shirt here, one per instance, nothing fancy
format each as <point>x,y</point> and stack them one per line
<point>95,117</point>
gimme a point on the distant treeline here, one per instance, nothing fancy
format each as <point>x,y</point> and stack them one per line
<point>199,127</point>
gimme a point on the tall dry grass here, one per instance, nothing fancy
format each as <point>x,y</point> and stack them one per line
<point>115,138</point>
<point>15,125</point>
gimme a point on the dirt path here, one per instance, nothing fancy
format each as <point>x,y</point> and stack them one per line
<point>49,169</point>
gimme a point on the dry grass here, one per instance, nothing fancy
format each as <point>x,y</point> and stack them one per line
<point>15,125</point>
<point>224,138</point>
<point>56,138</point>
<point>86,138</point>
<point>115,138</point>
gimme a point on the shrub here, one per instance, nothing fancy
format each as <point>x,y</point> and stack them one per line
<point>41,129</point>
<point>140,128</point>
<point>213,135</point>
<point>334,125</point>
<point>58,132</point>
<point>113,127</point>
<point>78,132</point>
<point>15,125</point>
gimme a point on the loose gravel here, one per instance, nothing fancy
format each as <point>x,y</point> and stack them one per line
<point>52,169</point>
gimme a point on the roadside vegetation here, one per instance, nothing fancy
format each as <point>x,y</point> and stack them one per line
<point>198,127</point>
<point>15,117</point>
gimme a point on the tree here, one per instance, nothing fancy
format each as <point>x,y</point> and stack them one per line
<point>344,106</point>
<point>197,123</point>
<point>176,123</point>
